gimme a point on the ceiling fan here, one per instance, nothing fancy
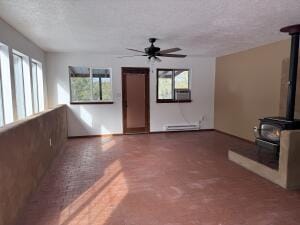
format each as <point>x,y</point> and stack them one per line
<point>153,52</point>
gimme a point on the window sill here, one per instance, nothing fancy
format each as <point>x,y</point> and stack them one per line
<point>91,103</point>
<point>172,101</point>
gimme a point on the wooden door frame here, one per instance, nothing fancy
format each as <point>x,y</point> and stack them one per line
<point>146,72</point>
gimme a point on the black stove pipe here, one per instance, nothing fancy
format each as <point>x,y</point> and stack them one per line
<point>292,77</point>
<point>294,31</point>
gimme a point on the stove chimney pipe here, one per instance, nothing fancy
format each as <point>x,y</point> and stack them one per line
<point>294,31</point>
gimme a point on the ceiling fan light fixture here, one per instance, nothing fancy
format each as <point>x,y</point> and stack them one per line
<point>153,59</point>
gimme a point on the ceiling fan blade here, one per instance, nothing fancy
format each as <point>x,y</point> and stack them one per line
<point>169,50</point>
<point>126,56</point>
<point>131,49</point>
<point>172,55</point>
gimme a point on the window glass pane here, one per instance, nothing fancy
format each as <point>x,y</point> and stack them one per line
<point>27,86</point>
<point>6,84</point>
<point>81,88</point>
<point>102,85</point>
<point>40,84</point>
<point>106,89</point>
<point>19,86</point>
<point>35,87</point>
<point>165,84</point>
<point>181,79</point>
<point>96,88</point>
<point>80,83</point>
<point>96,76</point>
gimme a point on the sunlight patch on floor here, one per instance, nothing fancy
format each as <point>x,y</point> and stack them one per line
<point>98,203</point>
<point>107,145</point>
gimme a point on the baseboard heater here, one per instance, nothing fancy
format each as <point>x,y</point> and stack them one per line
<point>182,127</point>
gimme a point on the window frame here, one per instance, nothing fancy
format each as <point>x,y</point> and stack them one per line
<point>86,102</point>
<point>39,84</point>
<point>173,100</point>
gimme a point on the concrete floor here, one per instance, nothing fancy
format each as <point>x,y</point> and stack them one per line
<point>157,179</point>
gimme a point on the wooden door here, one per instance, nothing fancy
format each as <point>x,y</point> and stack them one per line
<point>135,95</point>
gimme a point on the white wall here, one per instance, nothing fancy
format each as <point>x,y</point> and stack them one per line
<point>15,40</point>
<point>105,119</point>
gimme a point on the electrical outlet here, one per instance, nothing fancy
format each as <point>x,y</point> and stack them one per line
<point>50,142</point>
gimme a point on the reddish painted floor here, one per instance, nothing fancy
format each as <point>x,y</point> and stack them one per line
<point>157,179</point>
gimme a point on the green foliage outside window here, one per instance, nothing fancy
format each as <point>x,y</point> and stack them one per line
<point>81,90</point>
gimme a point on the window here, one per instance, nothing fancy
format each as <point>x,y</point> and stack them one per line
<point>37,86</point>
<point>23,94</point>
<point>173,85</point>
<point>6,105</point>
<point>90,85</point>
<point>40,82</point>
<point>22,85</point>
<point>19,86</point>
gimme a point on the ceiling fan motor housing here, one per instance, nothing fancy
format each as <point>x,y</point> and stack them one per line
<point>152,50</point>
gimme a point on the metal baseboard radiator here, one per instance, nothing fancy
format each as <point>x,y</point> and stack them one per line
<point>182,127</point>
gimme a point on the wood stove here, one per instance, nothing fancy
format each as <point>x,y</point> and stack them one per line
<point>268,133</point>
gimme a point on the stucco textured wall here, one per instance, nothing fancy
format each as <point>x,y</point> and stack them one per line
<point>25,155</point>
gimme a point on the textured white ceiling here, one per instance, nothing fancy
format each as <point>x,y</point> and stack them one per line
<point>208,28</point>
